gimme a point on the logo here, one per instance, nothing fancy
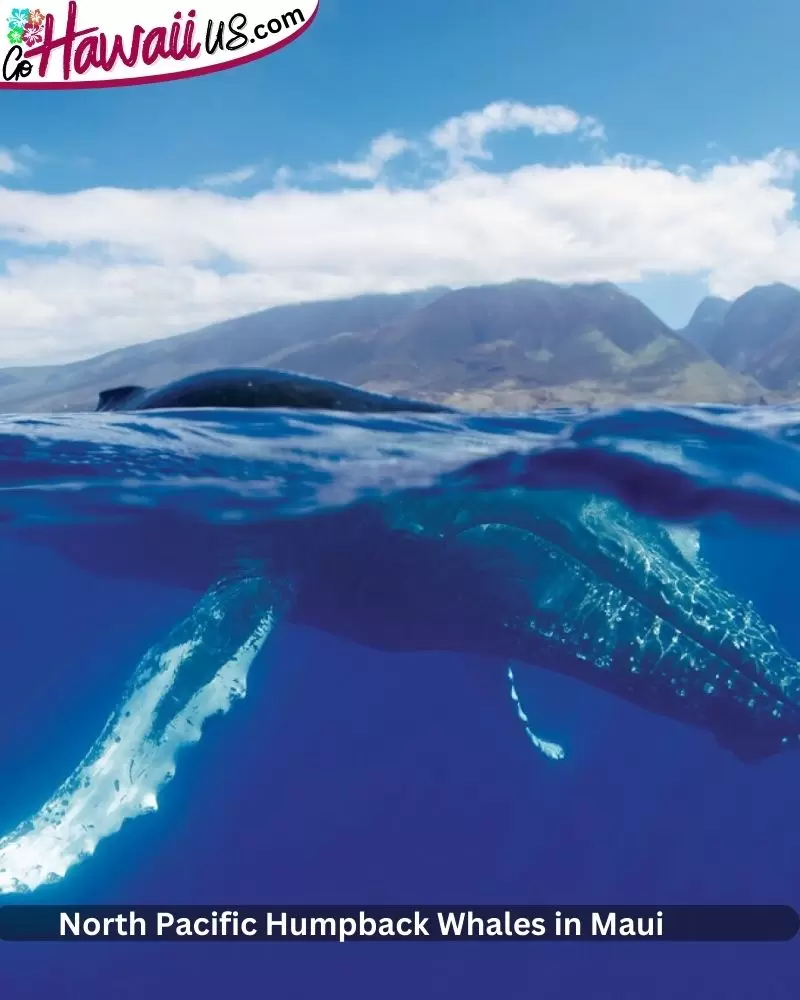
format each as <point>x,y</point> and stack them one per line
<point>93,43</point>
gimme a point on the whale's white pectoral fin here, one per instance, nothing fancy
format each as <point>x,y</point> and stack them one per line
<point>552,750</point>
<point>686,540</point>
<point>198,671</point>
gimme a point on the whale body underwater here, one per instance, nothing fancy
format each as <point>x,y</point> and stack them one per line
<point>558,580</point>
<point>568,582</point>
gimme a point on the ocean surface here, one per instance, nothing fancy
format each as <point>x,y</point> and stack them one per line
<point>242,661</point>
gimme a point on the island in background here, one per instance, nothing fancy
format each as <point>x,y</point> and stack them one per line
<point>517,346</point>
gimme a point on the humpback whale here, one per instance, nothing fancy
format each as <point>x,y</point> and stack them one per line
<point>258,388</point>
<point>568,582</point>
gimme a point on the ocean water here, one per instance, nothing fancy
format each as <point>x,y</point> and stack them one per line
<point>262,657</point>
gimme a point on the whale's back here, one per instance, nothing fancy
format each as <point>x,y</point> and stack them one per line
<point>259,388</point>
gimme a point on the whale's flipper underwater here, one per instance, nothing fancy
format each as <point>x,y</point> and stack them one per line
<point>199,670</point>
<point>572,583</point>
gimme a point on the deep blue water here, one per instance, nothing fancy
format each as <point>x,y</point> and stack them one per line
<point>350,774</point>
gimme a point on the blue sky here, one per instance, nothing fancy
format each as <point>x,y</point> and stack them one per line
<point>682,84</point>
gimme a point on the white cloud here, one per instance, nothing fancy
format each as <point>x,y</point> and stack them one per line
<point>99,268</point>
<point>462,138</point>
<point>227,180</point>
<point>383,149</point>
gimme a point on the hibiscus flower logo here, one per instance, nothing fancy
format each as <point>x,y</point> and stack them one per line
<point>19,18</point>
<point>25,25</point>
<point>32,35</point>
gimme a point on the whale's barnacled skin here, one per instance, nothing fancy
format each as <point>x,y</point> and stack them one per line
<point>258,388</point>
<point>615,600</point>
<point>724,672</point>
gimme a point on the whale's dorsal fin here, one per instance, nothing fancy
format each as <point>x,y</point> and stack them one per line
<point>112,399</point>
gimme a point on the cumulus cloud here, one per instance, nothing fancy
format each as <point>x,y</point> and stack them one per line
<point>94,269</point>
<point>462,138</point>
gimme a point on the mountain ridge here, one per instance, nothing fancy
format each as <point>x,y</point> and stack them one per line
<point>760,337</point>
<point>519,345</point>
